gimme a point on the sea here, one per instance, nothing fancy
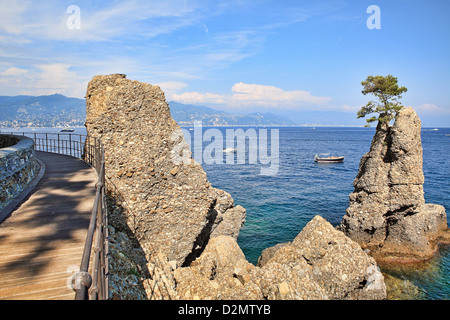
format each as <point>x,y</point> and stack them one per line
<point>280,204</point>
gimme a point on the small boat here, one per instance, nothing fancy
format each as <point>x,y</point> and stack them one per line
<point>330,159</point>
<point>67,130</point>
<point>229,150</point>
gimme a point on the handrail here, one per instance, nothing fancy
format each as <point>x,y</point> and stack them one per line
<point>97,226</point>
<point>90,150</point>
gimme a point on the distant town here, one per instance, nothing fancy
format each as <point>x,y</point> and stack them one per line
<point>60,111</point>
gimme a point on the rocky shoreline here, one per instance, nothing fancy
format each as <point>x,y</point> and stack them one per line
<point>173,236</point>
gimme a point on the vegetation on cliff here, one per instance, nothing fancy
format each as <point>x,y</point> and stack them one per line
<point>387,91</point>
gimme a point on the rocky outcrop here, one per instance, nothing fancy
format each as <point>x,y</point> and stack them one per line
<point>268,253</point>
<point>320,263</point>
<point>387,213</point>
<point>218,274</point>
<point>173,236</point>
<point>168,206</point>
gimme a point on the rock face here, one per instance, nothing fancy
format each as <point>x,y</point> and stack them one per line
<point>168,206</point>
<point>387,212</point>
<point>173,236</point>
<point>320,263</point>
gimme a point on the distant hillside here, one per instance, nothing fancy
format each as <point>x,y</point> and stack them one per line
<point>60,111</point>
<point>42,111</point>
<point>186,114</point>
<point>323,118</point>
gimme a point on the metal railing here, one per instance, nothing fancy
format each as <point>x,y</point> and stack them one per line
<point>90,150</point>
<point>95,287</point>
<point>70,144</point>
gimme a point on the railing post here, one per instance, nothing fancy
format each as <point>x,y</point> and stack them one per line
<point>96,156</point>
<point>88,149</point>
<point>70,144</point>
<point>81,282</point>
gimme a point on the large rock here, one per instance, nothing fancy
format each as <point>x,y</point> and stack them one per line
<point>218,274</point>
<point>183,224</point>
<point>169,206</point>
<point>321,263</point>
<point>387,212</point>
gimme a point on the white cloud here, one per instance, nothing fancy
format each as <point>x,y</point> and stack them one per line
<point>199,98</point>
<point>263,95</point>
<point>170,87</point>
<point>13,71</point>
<point>11,16</point>
<point>105,22</point>
<point>245,96</point>
<point>429,108</point>
<point>45,79</point>
<point>344,108</point>
<point>115,38</point>
<point>57,78</point>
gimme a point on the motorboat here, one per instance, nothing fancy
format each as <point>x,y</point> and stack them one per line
<point>330,159</point>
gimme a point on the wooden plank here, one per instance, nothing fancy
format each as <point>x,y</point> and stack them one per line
<point>41,243</point>
<point>41,254</point>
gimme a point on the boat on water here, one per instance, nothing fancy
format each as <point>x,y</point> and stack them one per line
<point>67,130</point>
<point>229,150</point>
<point>330,159</point>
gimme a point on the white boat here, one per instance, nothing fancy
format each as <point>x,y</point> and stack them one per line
<point>229,150</point>
<point>330,159</point>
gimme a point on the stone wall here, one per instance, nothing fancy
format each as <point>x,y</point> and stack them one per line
<point>18,166</point>
<point>7,140</point>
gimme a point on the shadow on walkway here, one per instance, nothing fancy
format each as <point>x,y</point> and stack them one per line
<point>41,243</point>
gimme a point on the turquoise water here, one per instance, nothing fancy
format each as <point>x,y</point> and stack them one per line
<point>278,207</point>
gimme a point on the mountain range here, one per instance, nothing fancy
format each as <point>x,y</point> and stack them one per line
<point>186,114</point>
<point>53,110</point>
<point>60,111</point>
<point>57,110</point>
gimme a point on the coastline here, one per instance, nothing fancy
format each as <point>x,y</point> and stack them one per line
<point>430,133</point>
<point>239,126</point>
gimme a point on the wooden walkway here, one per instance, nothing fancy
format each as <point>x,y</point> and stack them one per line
<point>41,243</point>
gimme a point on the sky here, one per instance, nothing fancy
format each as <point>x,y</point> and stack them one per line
<point>240,56</point>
